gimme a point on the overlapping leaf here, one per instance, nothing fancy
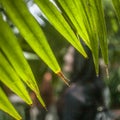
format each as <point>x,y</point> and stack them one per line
<point>88,19</point>
<point>6,106</point>
<point>9,77</point>
<point>102,33</point>
<point>85,15</point>
<point>82,17</point>
<point>73,10</point>
<point>99,28</point>
<point>57,20</point>
<point>10,46</point>
<point>91,13</point>
<point>116,4</point>
<point>31,31</point>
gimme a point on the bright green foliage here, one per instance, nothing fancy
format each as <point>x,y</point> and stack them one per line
<point>101,29</point>
<point>74,19</point>
<point>31,31</point>
<point>116,4</point>
<point>71,8</point>
<point>88,19</point>
<point>15,54</point>
<point>16,58</point>
<point>90,13</point>
<point>57,20</point>
<point>9,77</point>
<point>6,106</point>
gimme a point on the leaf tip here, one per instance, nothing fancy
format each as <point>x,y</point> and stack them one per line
<point>45,108</point>
<point>61,75</point>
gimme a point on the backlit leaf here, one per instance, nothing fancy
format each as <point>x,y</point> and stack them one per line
<point>31,31</point>
<point>116,4</point>
<point>57,20</point>
<point>10,46</point>
<point>73,10</point>
<point>7,107</point>
<point>9,77</point>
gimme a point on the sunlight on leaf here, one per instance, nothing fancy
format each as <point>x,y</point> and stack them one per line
<point>16,58</point>
<point>91,13</point>
<point>73,11</point>
<point>73,19</point>
<point>11,80</point>
<point>102,32</point>
<point>93,16</point>
<point>57,20</point>
<point>116,4</point>
<point>31,31</point>
<point>6,106</point>
<point>100,28</point>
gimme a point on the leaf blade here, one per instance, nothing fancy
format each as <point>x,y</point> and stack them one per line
<point>102,32</point>
<point>31,31</point>
<point>32,34</point>
<point>88,9</point>
<point>116,4</point>
<point>6,106</point>
<point>11,80</point>
<point>15,56</point>
<point>56,19</point>
<point>73,9</point>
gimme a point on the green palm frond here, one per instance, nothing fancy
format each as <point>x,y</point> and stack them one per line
<point>88,19</point>
<point>6,106</point>
<point>57,20</point>
<point>73,19</point>
<point>116,4</point>
<point>16,58</point>
<point>10,78</point>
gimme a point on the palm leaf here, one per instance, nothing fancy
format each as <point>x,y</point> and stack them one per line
<point>84,16</point>
<point>16,58</point>
<point>116,4</point>
<point>73,10</point>
<point>6,106</point>
<point>100,28</point>
<point>102,32</point>
<point>91,13</point>
<point>10,78</point>
<point>95,25</point>
<point>57,20</point>
<point>31,31</point>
